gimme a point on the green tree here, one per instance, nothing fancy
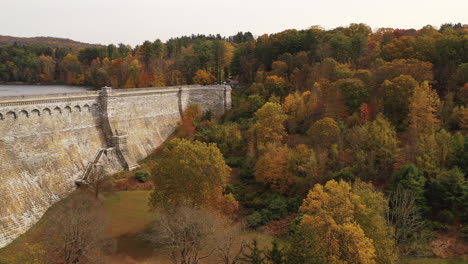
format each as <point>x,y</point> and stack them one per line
<point>275,254</point>
<point>374,146</point>
<point>340,47</point>
<point>461,157</point>
<point>354,93</point>
<point>396,98</point>
<point>188,173</point>
<point>324,132</point>
<point>227,136</point>
<point>410,178</point>
<point>448,148</point>
<point>302,247</point>
<point>447,194</point>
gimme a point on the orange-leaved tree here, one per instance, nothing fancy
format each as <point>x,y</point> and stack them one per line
<point>186,128</point>
<point>203,77</point>
<point>272,168</point>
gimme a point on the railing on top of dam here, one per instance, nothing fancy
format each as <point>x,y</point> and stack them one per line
<point>214,86</point>
<point>54,96</point>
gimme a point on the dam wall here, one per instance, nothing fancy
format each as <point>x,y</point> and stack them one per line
<point>47,142</point>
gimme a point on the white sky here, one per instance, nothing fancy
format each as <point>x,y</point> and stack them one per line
<point>134,21</point>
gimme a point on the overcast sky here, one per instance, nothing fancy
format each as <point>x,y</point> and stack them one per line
<point>134,21</point>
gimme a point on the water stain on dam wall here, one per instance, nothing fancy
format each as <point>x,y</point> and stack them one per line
<point>47,141</point>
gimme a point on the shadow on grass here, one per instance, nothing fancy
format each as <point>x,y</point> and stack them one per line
<point>134,245</point>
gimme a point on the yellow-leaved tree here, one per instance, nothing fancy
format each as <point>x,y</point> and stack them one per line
<point>423,122</point>
<point>47,65</point>
<point>269,126</point>
<point>424,108</point>
<point>350,223</point>
<point>301,108</point>
<point>275,85</point>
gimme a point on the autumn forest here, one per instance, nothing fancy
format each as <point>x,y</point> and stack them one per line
<point>347,145</point>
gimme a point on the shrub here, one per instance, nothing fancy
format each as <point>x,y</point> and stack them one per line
<point>234,161</point>
<point>446,217</point>
<point>254,220</point>
<point>278,207</point>
<point>142,176</point>
<point>267,216</point>
<point>464,233</point>
<point>247,172</point>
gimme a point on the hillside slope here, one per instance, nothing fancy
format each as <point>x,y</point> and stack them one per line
<point>45,41</point>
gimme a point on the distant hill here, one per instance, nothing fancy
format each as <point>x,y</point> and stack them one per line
<point>45,41</point>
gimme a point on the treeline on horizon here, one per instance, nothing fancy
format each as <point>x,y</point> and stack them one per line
<point>216,58</point>
<point>150,64</point>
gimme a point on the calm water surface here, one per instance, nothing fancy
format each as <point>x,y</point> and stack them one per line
<point>15,90</point>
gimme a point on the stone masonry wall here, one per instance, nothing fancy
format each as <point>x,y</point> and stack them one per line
<point>47,141</point>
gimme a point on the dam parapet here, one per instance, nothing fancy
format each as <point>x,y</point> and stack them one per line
<point>48,141</point>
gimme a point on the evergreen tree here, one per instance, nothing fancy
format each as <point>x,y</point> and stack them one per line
<point>303,247</point>
<point>275,254</point>
<point>253,254</point>
<point>410,178</point>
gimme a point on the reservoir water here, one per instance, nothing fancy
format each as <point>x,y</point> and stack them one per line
<point>31,89</point>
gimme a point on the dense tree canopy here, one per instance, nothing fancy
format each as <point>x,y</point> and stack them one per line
<point>349,144</point>
<point>189,173</point>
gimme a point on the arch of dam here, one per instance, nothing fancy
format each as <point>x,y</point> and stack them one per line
<point>48,141</point>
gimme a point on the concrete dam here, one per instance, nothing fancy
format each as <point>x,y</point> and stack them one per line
<point>48,141</point>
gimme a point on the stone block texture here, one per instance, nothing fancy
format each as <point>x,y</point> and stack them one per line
<point>47,141</point>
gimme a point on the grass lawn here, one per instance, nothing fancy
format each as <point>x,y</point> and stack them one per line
<point>128,211</point>
<point>432,261</point>
<point>129,215</point>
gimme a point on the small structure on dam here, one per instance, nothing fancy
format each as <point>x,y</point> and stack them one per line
<point>48,141</point>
